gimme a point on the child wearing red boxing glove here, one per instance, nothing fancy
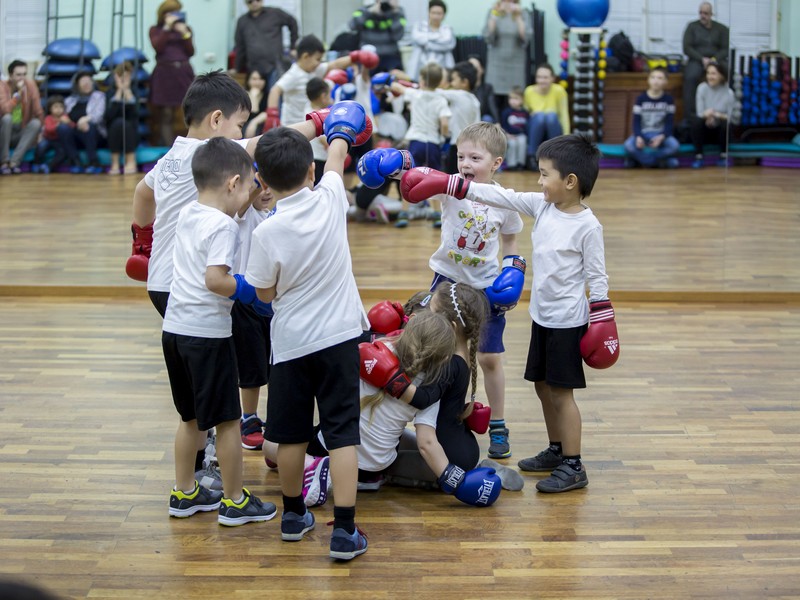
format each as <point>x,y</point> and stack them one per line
<point>568,256</point>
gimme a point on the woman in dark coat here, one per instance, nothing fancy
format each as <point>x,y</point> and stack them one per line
<point>172,76</point>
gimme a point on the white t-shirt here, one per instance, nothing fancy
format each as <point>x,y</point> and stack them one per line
<point>382,425</point>
<point>173,187</point>
<point>466,109</point>
<point>247,223</point>
<point>427,107</point>
<point>205,237</point>
<point>568,256</point>
<point>303,250</point>
<point>295,100</point>
<point>470,240</point>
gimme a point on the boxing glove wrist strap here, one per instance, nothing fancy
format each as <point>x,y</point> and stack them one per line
<point>451,478</point>
<point>516,262</point>
<point>600,310</point>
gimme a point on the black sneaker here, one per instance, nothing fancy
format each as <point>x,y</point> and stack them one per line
<point>294,526</point>
<point>249,510</point>
<point>184,505</point>
<point>498,443</point>
<point>563,479</point>
<point>546,460</point>
<point>345,546</point>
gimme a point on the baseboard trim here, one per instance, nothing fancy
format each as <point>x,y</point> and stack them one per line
<point>401,294</point>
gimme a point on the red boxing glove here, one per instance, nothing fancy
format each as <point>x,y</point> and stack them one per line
<point>381,368</point>
<point>318,116</point>
<point>364,57</point>
<point>421,183</point>
<point>386,316</point>
<point>337,76</point>
<point>273,119</point>
<point>136,266</point>
<point>364,136</point>
<point>478,419</point>
<point>600,343</point>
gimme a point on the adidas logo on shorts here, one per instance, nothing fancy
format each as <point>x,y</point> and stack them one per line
<point>611,345</point>
<point>370,364</point>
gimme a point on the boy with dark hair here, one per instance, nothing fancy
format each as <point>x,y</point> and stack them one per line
<point>197,340</point>
<point>652,142</point>
<point>568,256</point>
<point>290,89</point>
<point>214,106</point>
<point>318,319</point>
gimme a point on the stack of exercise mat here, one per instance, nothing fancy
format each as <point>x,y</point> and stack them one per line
<point>766,88</point>
<point>63,58</point>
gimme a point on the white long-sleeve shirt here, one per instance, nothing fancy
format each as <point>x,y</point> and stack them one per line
<point>568,255</point>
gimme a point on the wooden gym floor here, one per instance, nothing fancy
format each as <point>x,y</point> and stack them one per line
<point>690,441</point>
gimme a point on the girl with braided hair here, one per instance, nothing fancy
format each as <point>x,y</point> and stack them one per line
<point>419,463</point>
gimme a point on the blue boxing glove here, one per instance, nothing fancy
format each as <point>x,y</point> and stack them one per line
<point>505,291</point>
<point>346,120</point>
<point>246,294</point>
<point>376,165</point>
<point>381,81</point>
<point>476,487</point>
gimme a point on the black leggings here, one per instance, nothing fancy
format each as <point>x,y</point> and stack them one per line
<point>702,134</point>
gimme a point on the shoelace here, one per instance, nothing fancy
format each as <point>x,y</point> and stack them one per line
<point>497,438</point>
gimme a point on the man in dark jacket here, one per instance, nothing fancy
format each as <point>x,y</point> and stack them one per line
<point>258,40</point>
<point>381,24</point>
<point>704,41</point>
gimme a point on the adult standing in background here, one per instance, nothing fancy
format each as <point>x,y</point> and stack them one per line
<point>432,41</point>
<point>258,41</point>
<point>704,41</point>
<point>172,40</point>
<point>507,33</point>
<point>381,24</point>
<point>22,116</point>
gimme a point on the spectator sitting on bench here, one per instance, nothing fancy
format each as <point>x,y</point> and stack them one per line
<point>715,101</point>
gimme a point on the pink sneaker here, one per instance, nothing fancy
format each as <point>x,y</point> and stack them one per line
<point>316,482</point>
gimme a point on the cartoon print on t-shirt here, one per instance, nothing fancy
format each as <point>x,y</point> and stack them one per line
<point>473,233</point>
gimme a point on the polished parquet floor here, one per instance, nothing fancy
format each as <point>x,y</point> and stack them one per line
<point>691,440</point>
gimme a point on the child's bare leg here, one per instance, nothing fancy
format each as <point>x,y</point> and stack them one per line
<point>494,382</point>
<point>114,169</point>
<point>344,472</point>
<point>229,455</point>
<point>548,411</point>
<point>250,398</point>
<point>185,450</point>
<point>568,420</point>
<point>291,459</point>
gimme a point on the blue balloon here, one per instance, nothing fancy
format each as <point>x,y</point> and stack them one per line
<point>583,13</point>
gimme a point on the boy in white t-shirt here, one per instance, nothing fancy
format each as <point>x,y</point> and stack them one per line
<point>291,87</point>
<point>197,340</point>
<point>214,106</point>
<point>472,235</point>
<point>300,261</point>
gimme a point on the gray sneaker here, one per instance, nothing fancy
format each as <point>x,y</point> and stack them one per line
<point>294,526</point>
<point>546,460</point>
<point>498,443</point>
<point>249,510</point>
<point>509,478</point>
<point>563,479</point>
<point>183,505</point>
<point>209,476</point>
